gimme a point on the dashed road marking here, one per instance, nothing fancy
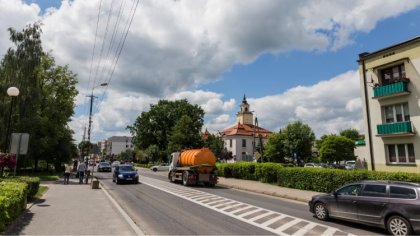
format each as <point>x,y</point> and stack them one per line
<point>275,222</point>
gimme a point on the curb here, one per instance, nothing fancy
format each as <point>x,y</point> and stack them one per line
<point>274,194</point>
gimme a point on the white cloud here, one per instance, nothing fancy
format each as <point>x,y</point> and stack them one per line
<point>327,107</point>
<point>174,46</point>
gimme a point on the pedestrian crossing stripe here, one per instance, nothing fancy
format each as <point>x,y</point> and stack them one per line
<point>275,222</point>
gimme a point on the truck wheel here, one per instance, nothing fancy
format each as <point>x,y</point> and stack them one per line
<point>185,178</point>
<point>171,176</point>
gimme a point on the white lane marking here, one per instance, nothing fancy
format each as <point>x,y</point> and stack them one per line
<point>177,190</point>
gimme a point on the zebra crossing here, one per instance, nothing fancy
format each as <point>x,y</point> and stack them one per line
<point>275,222</point>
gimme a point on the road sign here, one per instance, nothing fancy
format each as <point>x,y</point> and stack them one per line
<point>19,142</point>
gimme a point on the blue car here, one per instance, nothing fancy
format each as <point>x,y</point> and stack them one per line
<point>125,173</point>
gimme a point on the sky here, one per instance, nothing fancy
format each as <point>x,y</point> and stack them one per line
<point>294,60</point>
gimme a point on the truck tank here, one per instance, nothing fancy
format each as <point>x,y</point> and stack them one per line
<point>195,157</point>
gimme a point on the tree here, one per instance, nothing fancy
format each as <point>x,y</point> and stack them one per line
<point>352,134</point>
<point>337,148</point>
<point>299,139</point>
<point>183,137</point>
<point>85,147</point>
<point>46,102</point>
<point>155,126</point>
<point>215,143</point>
<point>275,147</point>
<point>153,153</point>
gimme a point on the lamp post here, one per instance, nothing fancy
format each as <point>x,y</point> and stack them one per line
<point>12,92</point>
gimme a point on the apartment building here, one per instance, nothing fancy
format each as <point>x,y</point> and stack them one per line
<point>115,145</point>
<point>390,91</point>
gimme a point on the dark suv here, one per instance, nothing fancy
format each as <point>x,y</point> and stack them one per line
<point>391,205</point>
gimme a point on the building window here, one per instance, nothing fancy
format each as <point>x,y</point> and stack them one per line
<point>392,74</point>
<point>243,142</point>
<point>396,113</point>
<point>401,153</point>
<point>230,142</point>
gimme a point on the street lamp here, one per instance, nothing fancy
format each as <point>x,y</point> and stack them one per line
<point>12,92</point>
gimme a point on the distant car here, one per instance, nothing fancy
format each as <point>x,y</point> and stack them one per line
<point>125,173</point>
<point>163,167</point>
<point>392,205</point>
<point>104,167</point>
<point>317,165</point>
<point>115,164</point>
<point>350,165</point>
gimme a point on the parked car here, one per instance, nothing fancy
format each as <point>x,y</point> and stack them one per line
<point>115,164</point>
<point>163,167</point>
<point>317,165</point>
<point>125,173</point>
<point>392,205</point>
<point>104,167</point>
<point>350,165</point>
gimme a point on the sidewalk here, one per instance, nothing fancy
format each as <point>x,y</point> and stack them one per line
<point>73,209</point>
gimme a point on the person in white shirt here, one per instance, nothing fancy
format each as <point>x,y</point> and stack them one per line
<point>81,170</point>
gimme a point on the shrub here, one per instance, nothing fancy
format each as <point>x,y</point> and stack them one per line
<point>12,202</point>
<point>267,172</point>
<point>32,184</point>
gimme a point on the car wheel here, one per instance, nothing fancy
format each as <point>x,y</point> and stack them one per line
<point>398,225</point>
<point>321,211</point>
<point>154,169</point>
<point>185,178</point>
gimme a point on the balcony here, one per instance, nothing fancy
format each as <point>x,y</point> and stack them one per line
<point>395,129</point>
<point>391,90</point>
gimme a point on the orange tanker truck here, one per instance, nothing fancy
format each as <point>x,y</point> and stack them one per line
<point>193,167</point>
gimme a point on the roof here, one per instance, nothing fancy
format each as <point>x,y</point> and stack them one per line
<point>246,130</point>
<point>366,55</point>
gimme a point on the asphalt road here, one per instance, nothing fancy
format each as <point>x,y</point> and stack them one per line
<point>162,208</point>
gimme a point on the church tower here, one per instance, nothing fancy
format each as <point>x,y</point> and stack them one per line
<point>245,116</point>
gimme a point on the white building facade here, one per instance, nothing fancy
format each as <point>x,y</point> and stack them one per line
<point>390,90</point>
<point>243,139</point>
<point>115,145</point>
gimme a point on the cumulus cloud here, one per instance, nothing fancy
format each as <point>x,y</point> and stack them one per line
<point>328,106</point>
<point>175,46</point>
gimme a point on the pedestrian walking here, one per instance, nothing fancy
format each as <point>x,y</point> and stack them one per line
<point>67,171</point>
<point>81,170</point>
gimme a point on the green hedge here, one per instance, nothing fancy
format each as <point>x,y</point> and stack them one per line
<point>32,182</point>
<point>12,201</point>
<point>314,179</point>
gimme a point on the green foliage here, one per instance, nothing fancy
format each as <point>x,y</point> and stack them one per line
<point>183,137</point>
<point>31,182</point>
<point>337,148</point>
<point>352,134</point>
<point>154,154</point>
<point>156,126</point>
<point>44,87</point>
<point>12,202</point>
<point>215,144</point>
<point>299,139</point>
<point>275,148</point>
<point>267,172</point>
<point>313,179</point>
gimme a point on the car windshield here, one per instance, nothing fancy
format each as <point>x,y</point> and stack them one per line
<point>105,164</point>
<point>126,168</point>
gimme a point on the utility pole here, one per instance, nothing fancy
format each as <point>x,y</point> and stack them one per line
<point>90,115</point>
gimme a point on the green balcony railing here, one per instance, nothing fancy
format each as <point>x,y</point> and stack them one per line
<point>389,89</point>
<point>395,128</point>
